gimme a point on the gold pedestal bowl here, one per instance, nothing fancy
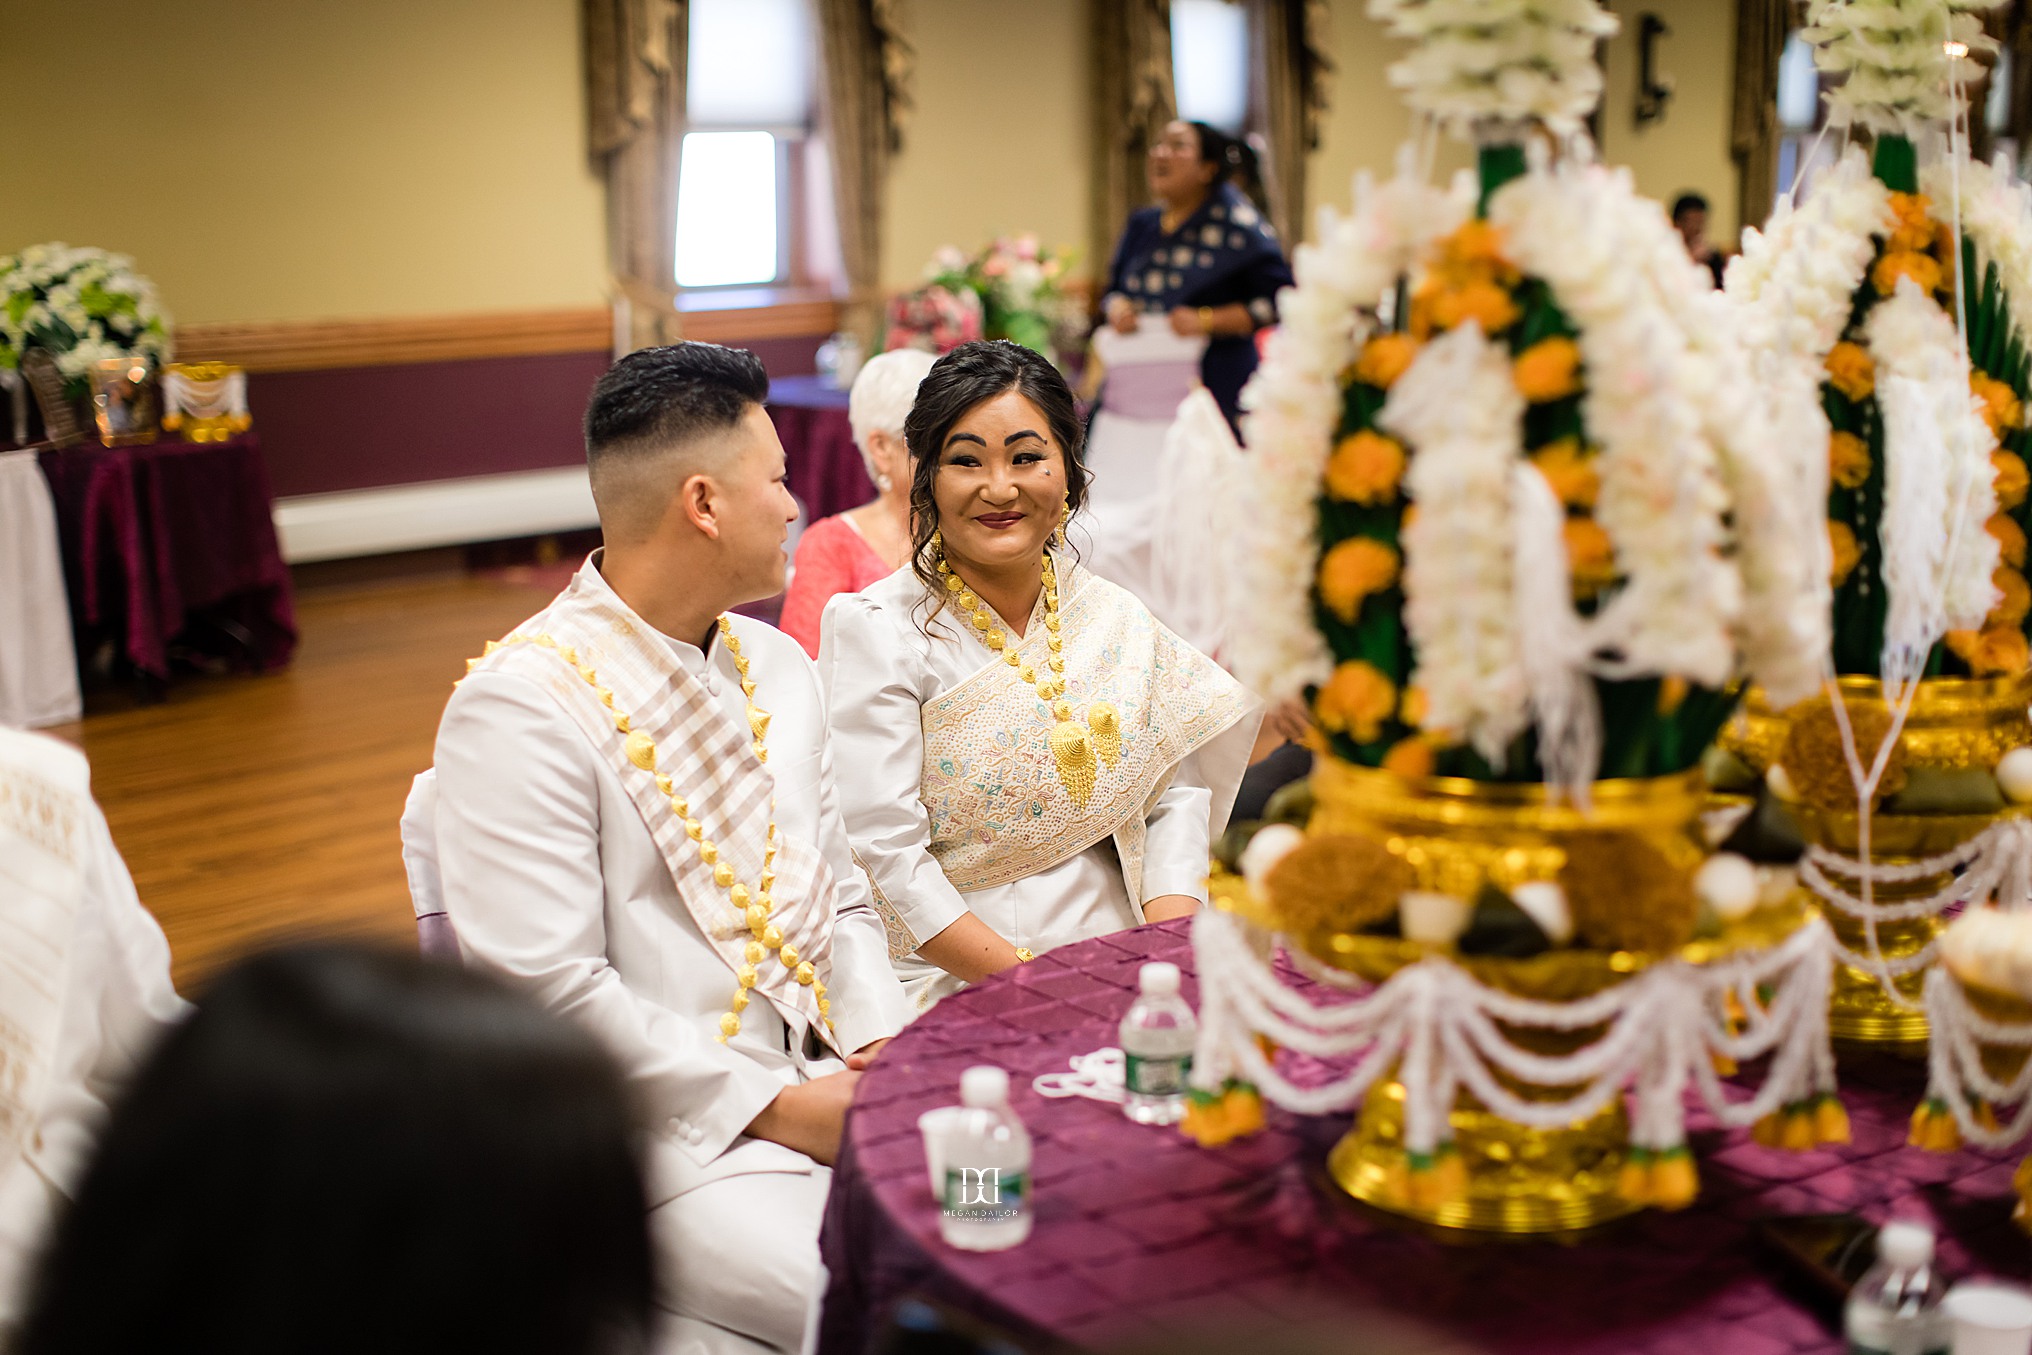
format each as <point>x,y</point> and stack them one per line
<point>1954,724</point>
<point>1459,835</point>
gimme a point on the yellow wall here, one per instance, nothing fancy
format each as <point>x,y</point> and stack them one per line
<point>1689,149</point>
<point>999,140</point>
<point>1367,120</point>
<point>271,159</point>
<point>386,157</point>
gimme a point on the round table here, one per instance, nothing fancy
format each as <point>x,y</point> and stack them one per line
<point>1142,1235</point>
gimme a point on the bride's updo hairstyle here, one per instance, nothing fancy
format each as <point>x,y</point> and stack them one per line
<point>971,375</point>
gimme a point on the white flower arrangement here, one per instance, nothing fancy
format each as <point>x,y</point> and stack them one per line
<point>1896,57</point>
<point>82,305</point>
<point>1458,406</point>
<point>1502,61</point>
<point>1293,403</point>
<point>1676,460</point>
<point>1582,230</point>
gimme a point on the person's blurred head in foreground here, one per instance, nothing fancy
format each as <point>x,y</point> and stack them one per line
<point>350,1151</point>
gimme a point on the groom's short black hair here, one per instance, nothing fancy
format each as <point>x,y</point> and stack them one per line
<point>651,421</point>
<point>659,397</point>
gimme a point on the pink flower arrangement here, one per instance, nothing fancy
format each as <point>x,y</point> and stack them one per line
<point>935,318</point>
<point>1012,285</point>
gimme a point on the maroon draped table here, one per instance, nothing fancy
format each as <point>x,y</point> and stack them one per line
<point>173,542</point>
<point>1142,1235</point>
<point>826,471</point>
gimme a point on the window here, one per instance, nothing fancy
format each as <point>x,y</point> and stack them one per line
<point>1210,63</point>
<point>748,83</point>
<point>1802,115</point>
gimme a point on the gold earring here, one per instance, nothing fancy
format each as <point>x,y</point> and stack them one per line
<point>1064,517</point>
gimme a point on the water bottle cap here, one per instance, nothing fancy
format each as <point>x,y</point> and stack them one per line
<point>987,1086</point>
<point>1905,1244</point>
<point>1159,978</point>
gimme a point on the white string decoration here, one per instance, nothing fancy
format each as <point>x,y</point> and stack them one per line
<point>1956,1077</point>
<point>1442,1030</point>
<point>1996,863</point>
<point>220,398</point>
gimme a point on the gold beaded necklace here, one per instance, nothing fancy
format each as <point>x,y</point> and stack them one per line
<point>755,905</point>
<point>1078,750</point>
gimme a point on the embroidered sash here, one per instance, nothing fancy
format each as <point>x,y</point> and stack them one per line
<point>998,810</point>
<point>45,796</point>
<point>709,759</point>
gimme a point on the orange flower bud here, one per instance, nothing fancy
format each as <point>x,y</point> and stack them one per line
<point>1365,468</point>
<point>1353,570</point>
<point>1548,370</point>
<point>1851,370</point>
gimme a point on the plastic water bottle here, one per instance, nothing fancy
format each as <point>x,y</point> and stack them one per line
<point>987,1167</point>
<point>1895,1308</point>
<point>1157,1038</point>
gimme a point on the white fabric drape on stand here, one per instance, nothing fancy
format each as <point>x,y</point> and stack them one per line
<point>1150,373</point>
<point>38,660</point>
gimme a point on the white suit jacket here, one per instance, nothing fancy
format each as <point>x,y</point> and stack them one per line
<point>116,1001</point>
<point>553,883</point>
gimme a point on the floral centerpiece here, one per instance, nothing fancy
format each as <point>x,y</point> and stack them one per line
<point>81,305</point>
<point>1014,285</point>
<point>1524,513</point>
<point>1908,290</point>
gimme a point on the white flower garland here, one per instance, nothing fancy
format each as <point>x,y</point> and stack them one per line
<point>1996,213</point>
<point>1502,60</point>
<point>1293,406</point>
<point>1582,230</point>
<point>1442,1030</point>
<point>1796,279</point>
<point>1458,406</point>
<point>1938,481</point>
<point>1894,55</point>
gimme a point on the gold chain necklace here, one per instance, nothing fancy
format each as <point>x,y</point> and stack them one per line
<point>1079,750</point>
<point>753,905</point>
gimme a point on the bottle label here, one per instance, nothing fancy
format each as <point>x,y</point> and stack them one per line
<point>1156,1077</point>
<point>985,1194</point>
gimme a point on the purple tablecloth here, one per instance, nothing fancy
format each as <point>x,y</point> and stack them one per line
<point>160,536</point>
<point>826,471</point>
<point>1142,1235</point>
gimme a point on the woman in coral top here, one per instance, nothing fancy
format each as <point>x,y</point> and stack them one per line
<point>848,551</point>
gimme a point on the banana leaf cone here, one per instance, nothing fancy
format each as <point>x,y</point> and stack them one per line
<point>1215,1118</point>
<point>1933,1127</point>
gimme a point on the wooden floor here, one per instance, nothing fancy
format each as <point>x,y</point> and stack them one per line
<point>252,808</point>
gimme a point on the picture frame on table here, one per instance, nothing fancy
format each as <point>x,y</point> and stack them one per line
<point>126,402</point>
<point>61,424</point>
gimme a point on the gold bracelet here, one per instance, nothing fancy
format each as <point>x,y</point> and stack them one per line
<point>1206,319</point>
<point>1024,955</point>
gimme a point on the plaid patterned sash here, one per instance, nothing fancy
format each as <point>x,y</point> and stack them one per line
<point>708,758</point>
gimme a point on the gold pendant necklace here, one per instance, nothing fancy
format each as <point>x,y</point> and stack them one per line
<point>754,905</point>
<point>1079,750</point>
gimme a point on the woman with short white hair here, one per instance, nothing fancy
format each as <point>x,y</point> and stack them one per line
<point>848,551</point>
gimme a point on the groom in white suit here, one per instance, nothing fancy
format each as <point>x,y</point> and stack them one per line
<point>636,824</point>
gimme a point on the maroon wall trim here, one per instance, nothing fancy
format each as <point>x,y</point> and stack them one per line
<point>371,427</point>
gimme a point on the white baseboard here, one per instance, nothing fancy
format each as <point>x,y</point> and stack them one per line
<point>437,513</point>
